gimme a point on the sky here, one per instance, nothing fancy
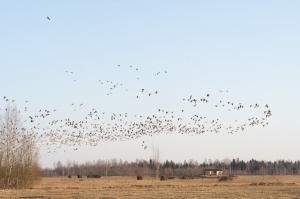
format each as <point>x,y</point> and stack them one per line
<point>248,48</point>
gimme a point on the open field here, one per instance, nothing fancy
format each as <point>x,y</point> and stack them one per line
<point>129,187</point>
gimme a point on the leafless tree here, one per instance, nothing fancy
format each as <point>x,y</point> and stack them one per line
<point>69,164</point>
<point>18,153</point>
<point>155,159</point>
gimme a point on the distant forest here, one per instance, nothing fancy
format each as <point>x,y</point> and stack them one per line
<point>116,167</point>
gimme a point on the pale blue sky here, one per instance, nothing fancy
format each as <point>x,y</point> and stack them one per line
<point>249,48</point>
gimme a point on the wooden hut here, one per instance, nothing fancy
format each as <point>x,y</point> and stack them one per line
<point>213,172</point>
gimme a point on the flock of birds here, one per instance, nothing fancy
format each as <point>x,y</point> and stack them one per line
<point>97,126</point>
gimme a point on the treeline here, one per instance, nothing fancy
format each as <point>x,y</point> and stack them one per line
<point>116,167</point>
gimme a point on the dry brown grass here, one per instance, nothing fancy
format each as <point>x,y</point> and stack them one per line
<point>129,187</point>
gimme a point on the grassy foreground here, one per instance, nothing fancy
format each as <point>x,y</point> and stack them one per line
<point>129,187</point>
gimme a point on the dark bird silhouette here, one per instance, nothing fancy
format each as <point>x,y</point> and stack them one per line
<point>48,18</point>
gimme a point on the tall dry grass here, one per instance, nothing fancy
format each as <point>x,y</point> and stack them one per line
<point>129,187</point>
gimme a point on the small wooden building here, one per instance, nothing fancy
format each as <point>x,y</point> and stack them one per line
<point>213,172</point>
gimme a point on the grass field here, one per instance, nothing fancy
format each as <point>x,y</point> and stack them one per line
<point>129,187</point>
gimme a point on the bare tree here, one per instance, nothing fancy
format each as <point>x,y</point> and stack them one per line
<point>69,164</point>
<point>18,155</point>
<point>156,162</point>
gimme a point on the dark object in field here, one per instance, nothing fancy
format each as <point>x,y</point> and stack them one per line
<point>69,176</point>
<point>163,178</point>
<point>79,176</point>
<point>171,178</point>
<point>185,177</point>
<point>227,178</point>
<point>139,177</point>
<point>93,176</point>
<point>272,184</point>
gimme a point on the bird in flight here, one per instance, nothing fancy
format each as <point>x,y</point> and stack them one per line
<point>48,18</point>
